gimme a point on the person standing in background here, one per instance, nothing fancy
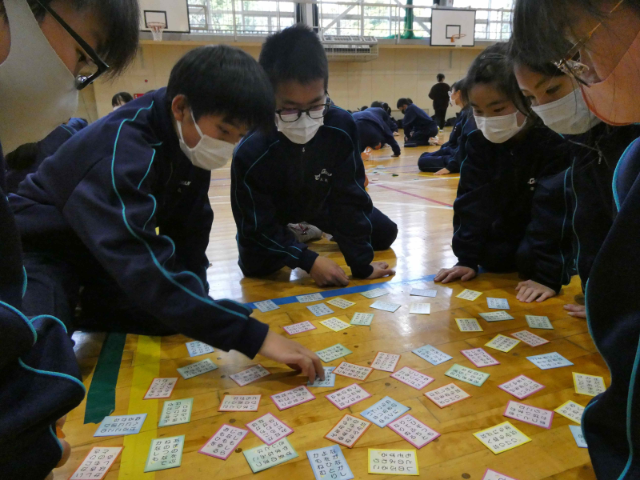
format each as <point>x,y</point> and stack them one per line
<point>440,95</point>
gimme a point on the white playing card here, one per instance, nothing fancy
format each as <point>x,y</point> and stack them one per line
<point>362,319</point>
<point>386,306</point>
<point>198,348</point>
<point>469,295</point>
<point>375,293</point>
<point>498,303</point>
<point>335,324</point>
<point>266,306</point>
<point>502,437</point>
<point>299,327</point>
<point>549,360</point>
<point>423,292</point>
<point>588,384</point>
<point>269,428</point>
<point>320,309</point>
<point>348,430</point>
<point>97,463</point>
<point>529,338</point>
<point>161,388</point>
<point>468,325</point>
<point>341,303</point>
<point>175,412</point>
<point>293,397</point>
<point>120,425</point>
<point>351,370</point>
<point>312,297</point>
<point>571,410</point>
<point>521,387</point>
<point>240,403</point>
<point>249,375</point>
<point>502,343</point>
<point>413,378</point>
<point>493,475</point>
<point>224,442</point>
<point>479,357</point>
<point>332,353</point>
<point>384,411</point>
<point>496,316</point>
<point>413,431</point>
<point>385,361</point>
<point>432,354</point>
<point>197,368</point>
<point>348,396</point>
<point>447,395</point>
<point>393,462</point>
<point>578,436</point>
<point>420,308</point>
<point>535,321</point>
<point>529,414</point>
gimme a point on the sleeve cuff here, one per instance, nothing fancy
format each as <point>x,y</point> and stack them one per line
<point>252,337</point>
<point>468,264</point>
<point>362,272</point>
<point>307,258</point>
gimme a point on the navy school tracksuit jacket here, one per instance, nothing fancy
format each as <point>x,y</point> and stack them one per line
<point>39,374</point>
<point>373,129</point>
<point>449,149</point>
<point>275,182</point>
<point>417,121</point>
<point>101,197</point>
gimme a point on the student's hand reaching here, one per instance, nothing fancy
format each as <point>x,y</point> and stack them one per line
<point>529,291</point>
<point>380,269</point>
<point>578,311</point>
<point>283,350</point>
<point>446,275</point>
<point>327,273</point>
<point>442,171</point>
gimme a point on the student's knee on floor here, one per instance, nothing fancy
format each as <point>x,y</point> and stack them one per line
<point>384,237</point>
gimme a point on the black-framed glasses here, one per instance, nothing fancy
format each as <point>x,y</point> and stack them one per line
<point>95,65</point>
<point>290,115</point>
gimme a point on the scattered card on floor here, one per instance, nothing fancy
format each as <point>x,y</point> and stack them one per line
<point>335,324</point>
<point>175,412</point>
<point>549,360</point>
<point>320,309</point>
<point>413,431</point>
<point>161,388</point>
<point>299,327</point>
<point>348,430</point>
<point>348,396</point>
<point>479,357</point>
<point>197,368</point>
<point>588,384</point>
<point>468,325</point>
<point>267,306</point>
<point>496,316</point>
<point>498,303</point>
<point>432,354</point>
<point>493,475</point>
<point>502,437</point>
<point>329,462</point>
<point>413,378</point>
<point>375,293</point>
<point>571,410</point>
<point>521,387</point>
<point>267,456</point>
<point>529,338</point>
<point>351,370</point>
<point>97,463</point>
<point>420,308</point>
<point>198,348</point>
<point>240,403</point>
<point>469,295</point>
<point>333,353</point>
<point>467,375</point>
<point>224,442</point>
<point>293,397</point>
<point>384,411</point>
<point>312,297</point>
<point>120,425</point>
<point>329,379</point>
<point>447,395</point>
<point>269,428</point>
<point>393,462</point>
<point>502,343</point>
<point>364,319</point>
<point>578,436</point>
<point>341,303</point>
<point>385,361</point>
<point>423,292</point>
<point>386,306</point>
<point>535,321</point>
<point>529,414</point>
<point>250,375</point>
<point>164,453</point>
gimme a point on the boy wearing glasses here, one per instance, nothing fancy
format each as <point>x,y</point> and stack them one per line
<point>307,167</point>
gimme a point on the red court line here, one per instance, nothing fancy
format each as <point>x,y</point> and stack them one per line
<point>413,195</point>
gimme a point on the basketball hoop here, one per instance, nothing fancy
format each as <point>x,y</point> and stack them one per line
<point>156,30</point>
<point>456,39</point>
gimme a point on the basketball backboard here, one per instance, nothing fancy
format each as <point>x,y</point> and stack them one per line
<point>450,22</point>
<point>173,13</point>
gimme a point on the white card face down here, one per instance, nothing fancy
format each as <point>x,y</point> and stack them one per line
<point>249,375</point>
<point>266,306</point>
<point>447,395</point>
<point>198,348</point>
<point>120,425</point>
<point>161,388</point>
<point>197,368</point>
<point>320,309</point>
<point>269,429</point>
<point>432,354</point>
<point>413,378</point>
<point>97,463</point>
<point>385,361</point>
<point>498,303</point>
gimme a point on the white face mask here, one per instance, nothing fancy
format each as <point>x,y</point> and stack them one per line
<point>210,153</point>
<point>302,130</point>
<point>499,129</point>
<point>569,116</point>
<point>38,90</point>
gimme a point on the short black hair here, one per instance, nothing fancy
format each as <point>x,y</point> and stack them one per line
<point>363,108</point>
<point>223,80</point>
<point>440,77</point>
<point>410,101</point>
<point>121,98</point>
<point>294,54</point>
<point>456,85</point>
<point>377,104</point>
<point>404,101</point>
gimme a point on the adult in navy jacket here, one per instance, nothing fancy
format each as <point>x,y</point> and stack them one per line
<point>374,131</point>
<point>418,126</point>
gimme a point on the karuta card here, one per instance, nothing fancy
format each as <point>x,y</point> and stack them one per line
<point>312,297</point>
<point>413,431</point>
<point>266,306</point>
<point>341,303</point>
<point>469,295</point>
<point>267,456</point>
<point>320,309</point>
<point>423,292</point>
<point>432,355</point>
<point>467,375</point>
<point>502,343</point>
<point>549,360</point>
<point>588,384</point>
<point>420,308</point>
<point>571,410</point>
<point>175,412</point>
<point>521,387</point>
<point>364,319</point>
<point>578,436</point>
<point>384,411</point>
<point>502,437</point>
<point>498,303</point>
<point>529,338</point>
<point>120,425</point>
<point>240,403</point>
<point>164,453</point>
<point>97,463</point>
<point>535,321</point>
<point>529,414</point>
<point>332,353</point>
<point>348,396</point>
<point>250,375</point>
<point>386,306</point>
<point>329,379</point>
<point>198,348</point>
<point>292,397</point>
<point>479,357</point>
<point>197,368</point>
<point>413,378</point>
<point>335,324</point>
<point>348,430</point>
<point>385,361</point>
<point>496,316</point>
<point>493,475</point>
<point>352,370</point>
<point>468,325</point>
<point>393,462</point>
<point>375,293</point>
<point>329,462</point>
<point>269,428</point>
<point>224,442</point>
<point>161,388</point>
<point>299,327</point>
<point>447,395</point>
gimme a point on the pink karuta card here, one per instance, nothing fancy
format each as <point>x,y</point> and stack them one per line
<point>351,370</point>
<point>447,395</point>
<point>269,428</point>
<point>222,444</point>
<point>348,430</point>
<point>348,396</point>
<point>413,378</point>
<point>293,397</point>
<point>521,387</point>
<point>385,361</point>
<point>493,475</point>
<point>529,414</point>
<point>299,327</point>
<point>160,388</point>
<point>413,431</point>
<point>250,375</point>
<point>479,357</point>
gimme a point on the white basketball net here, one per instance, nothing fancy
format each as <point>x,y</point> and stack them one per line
<point>156,30</point>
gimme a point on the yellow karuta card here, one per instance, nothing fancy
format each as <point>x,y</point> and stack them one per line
<point>468,325</point>
<point>588,384</point>
<point>502,437</point>
<point>393,462</point>
<point>571,410</point>
<point>469,294</point>
<point>502,343</point>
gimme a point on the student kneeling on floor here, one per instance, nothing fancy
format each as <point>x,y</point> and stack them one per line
<point>418,126</point>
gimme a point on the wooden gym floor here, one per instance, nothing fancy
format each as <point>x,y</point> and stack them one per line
<point>421,206</point>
